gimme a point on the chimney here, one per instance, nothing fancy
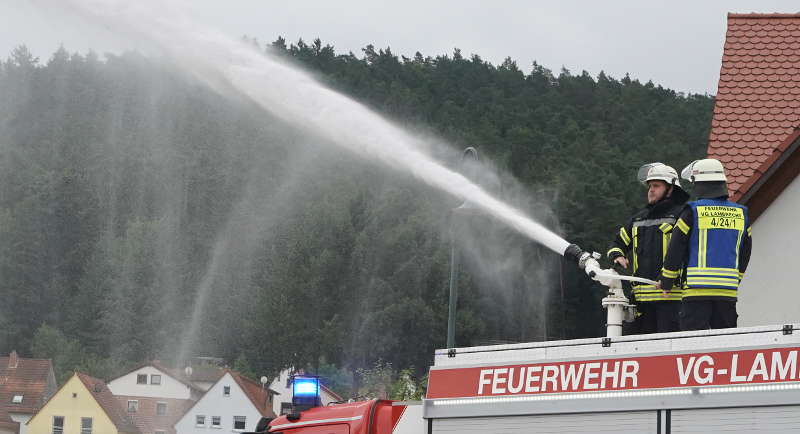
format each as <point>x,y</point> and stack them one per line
<point>13,359</point>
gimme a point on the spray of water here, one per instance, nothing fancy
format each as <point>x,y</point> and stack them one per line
<point>234,68</point>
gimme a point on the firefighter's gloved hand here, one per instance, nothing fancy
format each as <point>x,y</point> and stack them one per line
<point>665,292</point>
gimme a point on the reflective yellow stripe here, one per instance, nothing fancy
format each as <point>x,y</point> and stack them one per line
<point>615,249</point>
<point>671,297</point>
<point>709,292</point>
<point>713,279</point>
<point>665,237</point>
<point>624,235</point>
<point>693,273</point>
<point>701,248</point>
<point>669,274</point>
<point>748,230</point>
<point>665,227</point>
<point>657,295</point>
<point>741,276</point>
<point>691,283</point>
<point>691,269</point>
<point>635,244</point>
<point>682,226</point>
<point>738,244</point>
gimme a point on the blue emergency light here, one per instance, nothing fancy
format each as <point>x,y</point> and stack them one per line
<point>305,392</point>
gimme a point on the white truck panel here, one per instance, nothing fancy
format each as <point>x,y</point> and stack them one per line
<point>779,419</point>
<point>411,422</point>
<point>623,422</point>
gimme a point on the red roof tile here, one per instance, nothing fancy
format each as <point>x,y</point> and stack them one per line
<point>758,100</point>
<point>26,377</point>
<point>8,423</point>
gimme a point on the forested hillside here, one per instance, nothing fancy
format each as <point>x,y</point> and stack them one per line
<point>131,194</point>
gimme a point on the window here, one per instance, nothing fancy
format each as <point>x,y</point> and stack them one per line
<point>133,406</point>
<point>17,399</point>
<point>155,379</point>
<point>86,425</point>
<point>200,420</point>
<point>141,379</point>
<point>216,421</point>
<point>161,408</point>
<point>58,424</point>
<point>226,391</point>
<point>238,422</point>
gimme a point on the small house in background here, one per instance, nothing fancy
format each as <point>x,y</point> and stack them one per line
<point>283,387</point>
<point>234,403</point>
<point>25,385</point>
<point>83,405</point>
<point>755,133</point>
<point>155,396</point>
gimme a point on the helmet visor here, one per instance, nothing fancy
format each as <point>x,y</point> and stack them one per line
<point>645,170</point>
<point>686,173</point>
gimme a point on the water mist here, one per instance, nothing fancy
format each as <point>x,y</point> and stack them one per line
<point>292,95</point>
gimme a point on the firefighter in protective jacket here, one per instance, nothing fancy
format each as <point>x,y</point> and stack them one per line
<point>642,243</point>
<point>712,244</point>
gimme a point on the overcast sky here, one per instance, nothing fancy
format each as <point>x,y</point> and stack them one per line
<point>677,44</point>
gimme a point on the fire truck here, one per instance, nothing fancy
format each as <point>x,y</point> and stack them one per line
<point>739,380</point>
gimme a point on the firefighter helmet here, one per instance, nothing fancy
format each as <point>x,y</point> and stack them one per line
<point>660,172</point>
<point>707,170</point>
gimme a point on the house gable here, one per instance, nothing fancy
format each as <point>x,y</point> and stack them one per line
<point>158,383</point>
<point>239,401</point>
<point>72,401</point>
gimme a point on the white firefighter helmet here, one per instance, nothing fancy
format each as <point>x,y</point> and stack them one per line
<point>706,170</point>
<point>660,172</point>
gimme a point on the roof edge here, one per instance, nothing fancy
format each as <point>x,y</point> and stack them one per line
<point>783,171</point>
<point>768,167</point>
<point>762,15</point>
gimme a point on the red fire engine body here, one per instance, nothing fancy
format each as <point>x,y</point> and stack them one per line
<point>733,380</point>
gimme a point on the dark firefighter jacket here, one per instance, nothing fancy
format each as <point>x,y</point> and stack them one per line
<point>644,240</point>
<point>711,247</point>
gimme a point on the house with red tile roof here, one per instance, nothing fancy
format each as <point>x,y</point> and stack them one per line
<point>25,385</point>
<point>83,405</point>
<point>234,403</point>
<point>755,132</point>
<point>156,396</point>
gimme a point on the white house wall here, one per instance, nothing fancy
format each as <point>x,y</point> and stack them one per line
<point>769,292</point>
<point>214,403</point>
<point>169,387</point>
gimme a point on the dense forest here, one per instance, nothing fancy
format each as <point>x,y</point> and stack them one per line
<point>143,216</point>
